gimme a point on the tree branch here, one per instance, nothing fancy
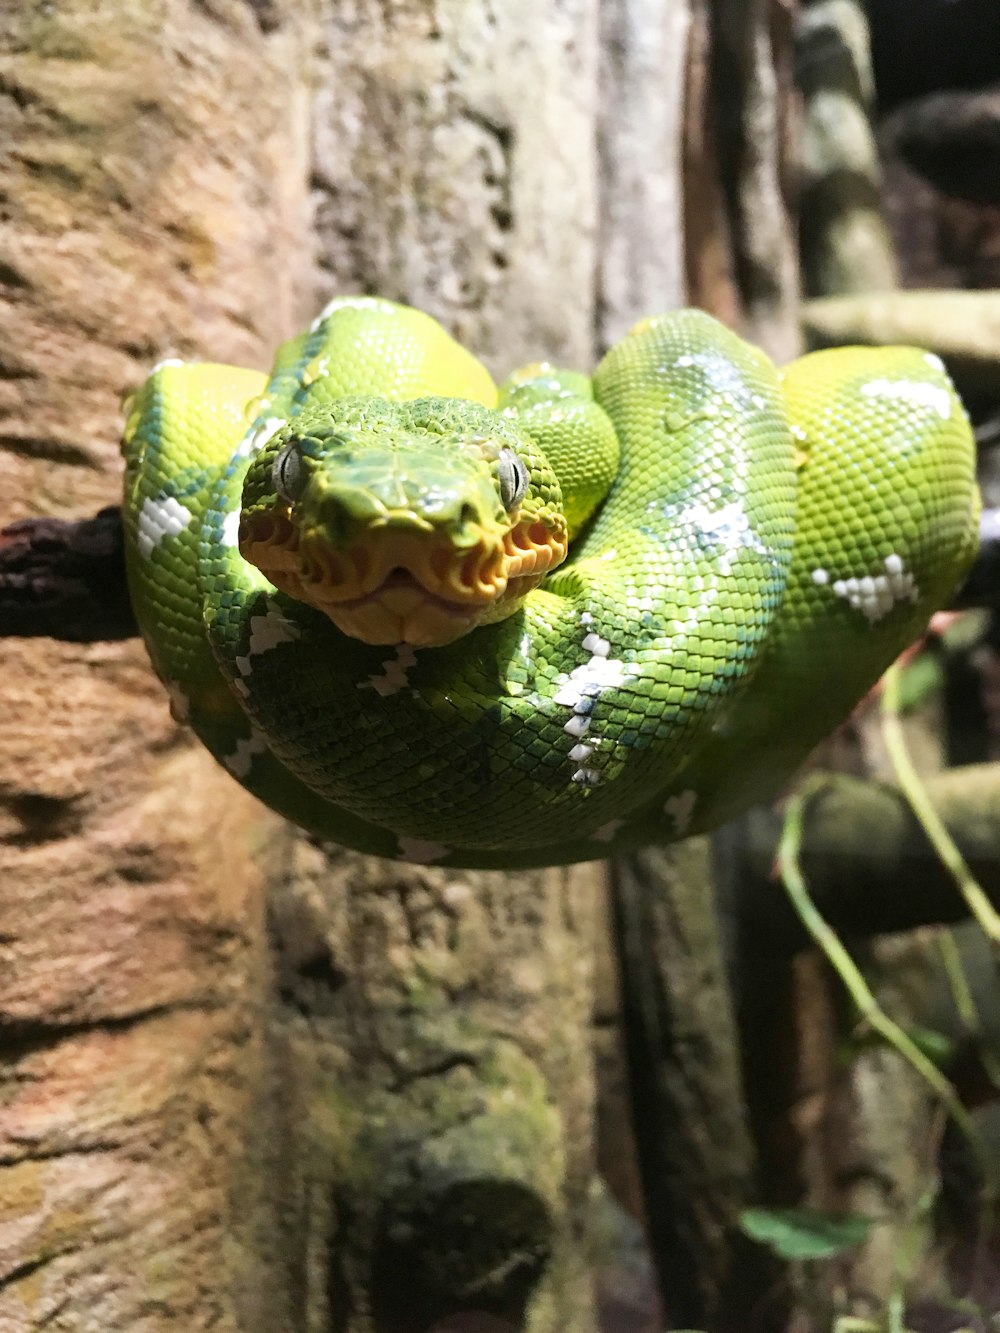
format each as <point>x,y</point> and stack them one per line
<point>697,1157</point>
<point>867,862</point>
<point>963,327</point>
<point>65,579</point>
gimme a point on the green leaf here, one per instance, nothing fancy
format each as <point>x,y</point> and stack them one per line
<point>919,679</point>
<point>938,1047</point>
<point>935,1045</point>
<point>804,1233</point>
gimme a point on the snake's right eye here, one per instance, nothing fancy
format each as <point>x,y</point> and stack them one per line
<point>288,473</point>
<point>513,477</point>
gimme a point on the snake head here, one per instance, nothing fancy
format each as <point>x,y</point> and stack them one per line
<point>403,522</point>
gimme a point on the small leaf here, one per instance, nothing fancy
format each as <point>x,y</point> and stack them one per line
<point>919,679</point>
<point>938,1047</point>
<point>804,1233</point>
<point>935,1045</point>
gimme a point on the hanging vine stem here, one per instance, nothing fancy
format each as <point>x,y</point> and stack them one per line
<point>790,872</point>
<point>926,814</point>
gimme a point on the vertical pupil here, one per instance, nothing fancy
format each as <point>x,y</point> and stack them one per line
<point>513,478</point>
<point>286,471</point>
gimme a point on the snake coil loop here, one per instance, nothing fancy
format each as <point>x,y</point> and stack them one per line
<point>441,621</point>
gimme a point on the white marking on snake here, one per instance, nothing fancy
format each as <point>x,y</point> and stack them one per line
<point>596,645</point>
<point>934,361</point>
<point>421,850</point>
<point>352,303</point>
<point>591,679</point>
<point>820,577</point>
<point>874,595</point>
<point>680,808</point>
<point>932,396</point>
<point>160,516</point>
<point>241,759</point>
<point>723,377</point>
<point>166,364</point>
<point>266,632</point>
<point>231,529</point>
<point>257,436</point>
<point>393,678</point>
<point>317,369</point>
<point>728,528</point>
<point>580,691</point>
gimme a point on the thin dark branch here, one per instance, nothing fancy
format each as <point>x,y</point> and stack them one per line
<point>65,579</point>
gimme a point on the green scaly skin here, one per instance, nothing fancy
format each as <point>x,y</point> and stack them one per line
<point>751,549</point>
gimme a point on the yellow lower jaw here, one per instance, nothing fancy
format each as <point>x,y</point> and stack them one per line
<point>410,615</point>
<point>404,615</point>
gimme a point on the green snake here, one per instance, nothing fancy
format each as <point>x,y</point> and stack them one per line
<point>445,622</point>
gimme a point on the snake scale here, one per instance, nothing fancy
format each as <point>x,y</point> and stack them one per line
<point>446,622</point>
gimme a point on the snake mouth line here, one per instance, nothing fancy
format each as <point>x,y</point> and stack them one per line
<point>400,580</point>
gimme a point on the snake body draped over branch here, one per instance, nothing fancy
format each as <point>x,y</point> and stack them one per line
<point>435,620</point>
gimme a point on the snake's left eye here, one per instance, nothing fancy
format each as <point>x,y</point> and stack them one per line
<point>287,473</point>
<point>513,478</point>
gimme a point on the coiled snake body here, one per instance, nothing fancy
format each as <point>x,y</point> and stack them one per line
<point>353,579</point>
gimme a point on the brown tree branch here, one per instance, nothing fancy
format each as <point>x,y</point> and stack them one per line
<point>698,1160</point>
<point>963,327</point>
<point>65,580</point>
<point>845,245</point>
<point>868,863</point>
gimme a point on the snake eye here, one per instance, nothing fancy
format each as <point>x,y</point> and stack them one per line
<point>287,472</point>
<point>513,478</point>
